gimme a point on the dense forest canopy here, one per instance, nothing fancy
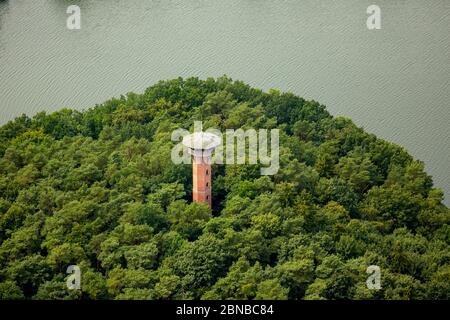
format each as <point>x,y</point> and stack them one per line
<point>97,189</point>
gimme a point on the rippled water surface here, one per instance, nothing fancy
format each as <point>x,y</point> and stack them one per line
<point>394,82</point>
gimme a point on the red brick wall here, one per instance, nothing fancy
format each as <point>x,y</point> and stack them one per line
<point>201,181</point>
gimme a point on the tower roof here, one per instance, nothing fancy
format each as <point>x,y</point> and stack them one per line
<point>202,140</point>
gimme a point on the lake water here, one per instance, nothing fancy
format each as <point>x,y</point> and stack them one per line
<point>394,82</point>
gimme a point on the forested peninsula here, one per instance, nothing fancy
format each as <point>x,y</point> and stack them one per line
<point>97,189</point>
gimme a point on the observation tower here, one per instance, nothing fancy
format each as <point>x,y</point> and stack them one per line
<point>201,146</point>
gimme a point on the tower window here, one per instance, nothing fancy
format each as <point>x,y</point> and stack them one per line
<point>207,197</point>
<point>207,173</point>
<point>207,184</point>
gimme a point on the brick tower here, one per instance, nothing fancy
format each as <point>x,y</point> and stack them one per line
<point>201,146</point>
